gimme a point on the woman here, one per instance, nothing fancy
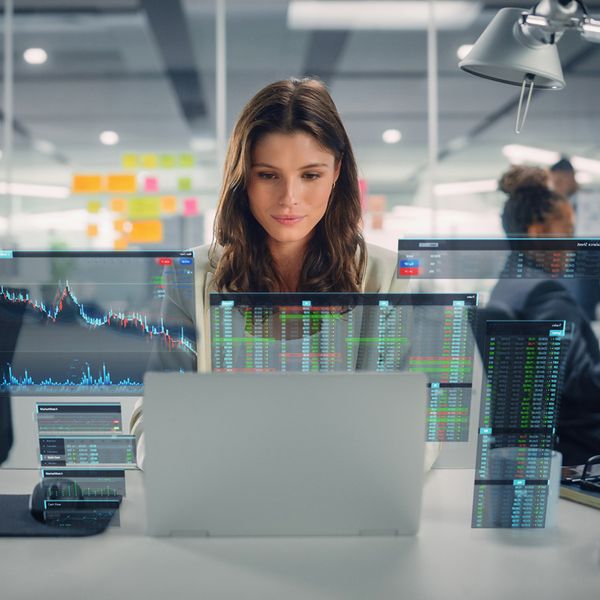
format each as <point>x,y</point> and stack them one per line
<point>289,216</point>
<point>533,210</point>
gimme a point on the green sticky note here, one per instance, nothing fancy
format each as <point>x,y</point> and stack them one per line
<point>144,208</point>
<point>184,184</point>
<point>186,161</point>
<point>167,161</point>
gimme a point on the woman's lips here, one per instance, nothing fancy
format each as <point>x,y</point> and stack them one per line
<point>287,219</point>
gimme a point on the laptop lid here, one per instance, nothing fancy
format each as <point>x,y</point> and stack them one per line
<point>284,454</point>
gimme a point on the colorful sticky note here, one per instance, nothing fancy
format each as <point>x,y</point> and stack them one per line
<point>118,204</point>
<point>144,208</point>
<point>149,161</point>
<point>129,161</point>
<point>186,161</point>
<point>167,161</point>
<point>86,184</point>
<point>184,184</point>
<point>94,206</point>
<point>168,204</point>
<point>146,232</point>
<point>121,183</point>
<point>122,225</point>
<point>121,243</point>
<point>190,207</point>
<point>92,230</point>
<point>151,184</point>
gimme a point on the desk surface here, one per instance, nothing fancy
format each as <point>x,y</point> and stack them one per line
<point>447,559</point>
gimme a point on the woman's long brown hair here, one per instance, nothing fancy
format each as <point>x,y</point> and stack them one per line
<point>336,255</point>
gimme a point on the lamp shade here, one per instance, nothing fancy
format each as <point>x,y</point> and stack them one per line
<point>504,53</point>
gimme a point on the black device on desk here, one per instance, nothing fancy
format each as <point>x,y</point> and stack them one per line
<point>582,483</point>
<point>51,489</point>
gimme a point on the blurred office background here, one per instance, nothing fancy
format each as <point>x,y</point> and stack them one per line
<point>121,109</point>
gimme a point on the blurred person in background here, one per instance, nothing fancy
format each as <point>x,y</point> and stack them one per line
<point>562,179</point>
<point>532,209</point>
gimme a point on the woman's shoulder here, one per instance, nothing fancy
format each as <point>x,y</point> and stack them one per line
<point>380,255</point>
<point>206,258</point>
<point>380,273</point>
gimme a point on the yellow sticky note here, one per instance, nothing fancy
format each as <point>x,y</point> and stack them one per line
<point>118,204</point>
<point>92,230</point>
<point>94,206</point>
<point>144,208</point>
<point>121,243</point>
<point>86,184</point>
<point>146,232</point>
<point>167,161</point>
<point>168,204</point>
<point>186,161</point>
<point>149,161</point>
<point>129,161</point>
<point>121,183</point>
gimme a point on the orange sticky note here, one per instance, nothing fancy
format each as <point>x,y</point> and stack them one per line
<point>121,183</point>
<point>86,184</point>
<point>168,204</point>
<point>118,204</point>
<point>121,243</point>
<point>146,232</point>
<point>92,230</point>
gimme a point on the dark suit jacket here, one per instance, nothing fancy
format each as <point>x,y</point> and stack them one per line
<point>579,415</point>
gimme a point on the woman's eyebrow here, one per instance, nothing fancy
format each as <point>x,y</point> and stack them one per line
<point>310,166</point>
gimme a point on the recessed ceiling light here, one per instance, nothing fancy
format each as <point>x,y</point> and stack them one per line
<point>518,154</point>
<point>35,56</point>
<point>109,138</point>
<point>463,51</point>
<point>391,136</point>
<point>385,15</point>
<point>457,188</point>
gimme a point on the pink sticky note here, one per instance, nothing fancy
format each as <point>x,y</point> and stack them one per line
<point>151,184</point>
<point>190,207</point>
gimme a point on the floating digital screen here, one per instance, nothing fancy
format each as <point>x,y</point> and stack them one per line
<point>92,483</point>
<point>524,363</point>
<point>88,512</point>
<point>87,450</point>
<point>318,332</point>
<point>79,417</point>
<point>505,258</point>
<point>92,319</point>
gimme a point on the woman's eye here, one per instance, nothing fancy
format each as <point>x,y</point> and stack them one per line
<point>267,176</point>
<point>312,176</point>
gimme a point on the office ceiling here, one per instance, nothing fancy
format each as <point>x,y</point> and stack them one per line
<point>146,69</point>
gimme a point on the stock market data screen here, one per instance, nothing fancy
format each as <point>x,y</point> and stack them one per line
<point>308,332</point>
<point>92,319</point>
<point>514,258</point>
<point>524,362</point>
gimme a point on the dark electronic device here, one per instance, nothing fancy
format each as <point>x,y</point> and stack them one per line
<point>51,489</point>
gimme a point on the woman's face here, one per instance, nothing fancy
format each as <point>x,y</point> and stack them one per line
<point>289,187</point>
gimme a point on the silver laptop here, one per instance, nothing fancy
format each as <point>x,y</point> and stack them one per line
<point>284,454</point>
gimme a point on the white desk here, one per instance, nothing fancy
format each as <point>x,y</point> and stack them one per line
<point>447,560</point>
